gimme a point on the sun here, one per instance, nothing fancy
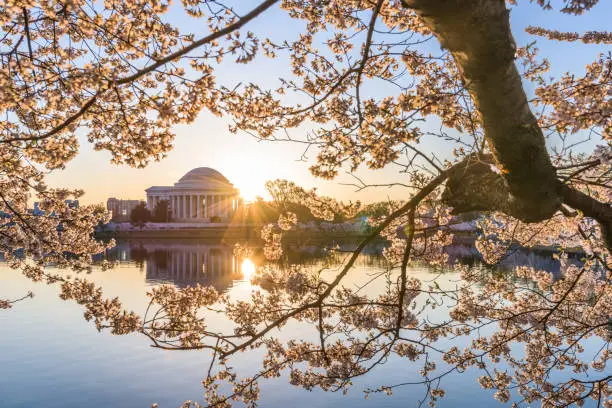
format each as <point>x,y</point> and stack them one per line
<point>248,269</point>
<point>251,186</point>
<point>250,193</point>
<point>251,180</point>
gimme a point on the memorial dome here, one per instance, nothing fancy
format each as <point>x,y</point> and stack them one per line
<point>203,177</point>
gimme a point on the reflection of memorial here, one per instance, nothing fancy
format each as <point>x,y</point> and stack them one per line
<point>185,263</point>
<point>190,262</point>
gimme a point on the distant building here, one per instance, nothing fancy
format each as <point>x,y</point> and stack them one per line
<point>201,195</point>
<point>120,209</point>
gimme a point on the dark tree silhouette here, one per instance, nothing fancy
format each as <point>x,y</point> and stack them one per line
<point>140,215</point>
<point>162,212</point>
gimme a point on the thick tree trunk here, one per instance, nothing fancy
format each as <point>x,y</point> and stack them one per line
<point>473,186</point>
<point>477,33</point>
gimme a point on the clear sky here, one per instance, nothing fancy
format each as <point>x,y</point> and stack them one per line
<point>248,163</point>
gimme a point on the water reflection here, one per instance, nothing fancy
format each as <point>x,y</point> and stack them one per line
<point>181,263</point>
<point>191,262</point>
<point>36,366</point>
<point>537,259</point>
<point>247,268</point>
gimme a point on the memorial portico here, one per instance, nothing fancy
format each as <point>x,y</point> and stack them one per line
<point>201,195</point>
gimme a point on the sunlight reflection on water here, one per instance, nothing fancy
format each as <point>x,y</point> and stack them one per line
<point>248,269</point>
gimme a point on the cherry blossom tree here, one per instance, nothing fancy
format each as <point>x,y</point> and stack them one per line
<point>123,74</point>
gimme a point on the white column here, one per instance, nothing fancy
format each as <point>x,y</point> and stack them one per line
<point>223,206</point>
<point>198,205</point>
<point>188,212</point>
<point>184,214</point>
<point>188,206</point>
<point>205,269</point>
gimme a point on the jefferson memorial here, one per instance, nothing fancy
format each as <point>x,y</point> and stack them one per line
<point>201,195</point>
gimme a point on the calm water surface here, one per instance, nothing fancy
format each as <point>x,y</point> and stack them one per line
<point>50,356</point>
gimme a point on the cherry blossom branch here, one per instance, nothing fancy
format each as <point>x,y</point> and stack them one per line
<point>412,203</point>
<point>139,74</point>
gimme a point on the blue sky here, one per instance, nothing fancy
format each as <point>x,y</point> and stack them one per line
<point>249,163</point>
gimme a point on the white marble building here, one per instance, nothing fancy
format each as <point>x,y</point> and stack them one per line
<point>201,195</point>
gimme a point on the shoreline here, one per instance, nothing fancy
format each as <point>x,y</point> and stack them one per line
<point>225,231</point>
<point>251,233</point>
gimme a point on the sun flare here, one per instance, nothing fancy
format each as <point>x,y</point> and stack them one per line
<point>248,269</point>
<point>251,180</point>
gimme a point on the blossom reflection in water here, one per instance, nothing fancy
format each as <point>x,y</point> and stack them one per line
<point>247,268</point>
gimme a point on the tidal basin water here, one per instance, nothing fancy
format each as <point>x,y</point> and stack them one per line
<point>50,356</point>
